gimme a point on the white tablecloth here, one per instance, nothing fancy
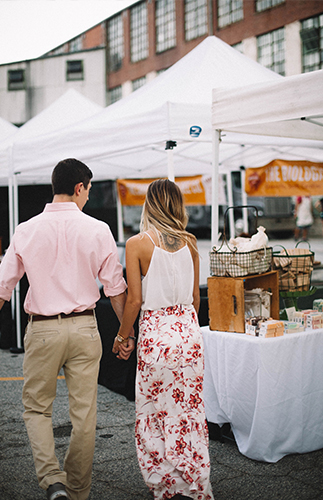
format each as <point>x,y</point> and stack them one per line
<point>270,390</point>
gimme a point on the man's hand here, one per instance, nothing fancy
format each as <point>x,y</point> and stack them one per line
<point>124,349</point>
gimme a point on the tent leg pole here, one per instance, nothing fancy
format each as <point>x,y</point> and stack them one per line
<point>11,224</point>
<point>119,217</point>
<point>10,202</point>
<point>215,188</point>
<point>17,290</point>
<point>230,202</point>
<point>170,163</point>
<point>244,202</point>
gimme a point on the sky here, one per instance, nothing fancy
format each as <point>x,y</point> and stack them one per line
<point>30,28</point>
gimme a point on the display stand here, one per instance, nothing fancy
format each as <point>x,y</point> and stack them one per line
<point>227,303</point>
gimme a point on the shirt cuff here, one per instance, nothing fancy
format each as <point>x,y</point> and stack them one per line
<point>5,294</point>
<point>116,290</point>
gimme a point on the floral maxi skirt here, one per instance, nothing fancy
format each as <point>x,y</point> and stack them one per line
<point>171,430</point>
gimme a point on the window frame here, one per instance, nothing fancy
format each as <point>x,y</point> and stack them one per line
<point>139,43</point>
<point>115,94</point>
<point>116,24</point>
<point>16,85</point>
<point>233,15</point>
<point>312,60</point>
<point>80,77</point>
<point>138,82</point>
<point>165,24</point>
<point>267,4</point>
<point>195,25</point>
<point>274,41</point>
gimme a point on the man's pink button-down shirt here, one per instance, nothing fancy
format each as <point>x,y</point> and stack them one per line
<point>63,251</point>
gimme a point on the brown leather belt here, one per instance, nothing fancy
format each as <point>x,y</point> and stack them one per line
<point>38,317</point>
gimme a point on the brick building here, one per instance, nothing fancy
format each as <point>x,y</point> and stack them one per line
<point>123,52</point>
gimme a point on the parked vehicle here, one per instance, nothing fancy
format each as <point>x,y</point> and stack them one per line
<point>276,214</point>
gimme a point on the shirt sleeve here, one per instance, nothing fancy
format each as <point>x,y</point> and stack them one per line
<point>11,271</point>
<point>111,271</point>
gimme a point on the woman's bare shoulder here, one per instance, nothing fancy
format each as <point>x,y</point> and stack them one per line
<point>136,241</point>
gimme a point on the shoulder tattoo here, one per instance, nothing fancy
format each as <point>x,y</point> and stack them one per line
<point>171,243</point>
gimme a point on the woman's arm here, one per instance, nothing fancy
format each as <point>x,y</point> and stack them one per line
<point>134,298</point>
<point>196,286</point>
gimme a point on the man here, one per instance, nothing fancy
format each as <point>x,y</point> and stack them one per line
<point>63,251</point>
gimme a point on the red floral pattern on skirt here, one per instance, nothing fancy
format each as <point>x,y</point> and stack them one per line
<point>171,430</point>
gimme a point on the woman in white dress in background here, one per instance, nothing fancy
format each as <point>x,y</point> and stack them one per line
<point>162,264</point>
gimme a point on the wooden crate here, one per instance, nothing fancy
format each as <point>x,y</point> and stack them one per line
<point>226,299</point>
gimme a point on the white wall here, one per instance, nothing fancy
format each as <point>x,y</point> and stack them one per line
<point>46,82</point>
<point>293,46</point>
<point>12,103</point>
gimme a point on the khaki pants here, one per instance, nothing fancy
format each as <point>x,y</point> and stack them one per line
<point>75,345</point>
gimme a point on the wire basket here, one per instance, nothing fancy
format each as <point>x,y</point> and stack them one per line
<point>295,268</point>
<point>237,264</point>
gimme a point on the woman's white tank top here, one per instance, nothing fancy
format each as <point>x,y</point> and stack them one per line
<point>169,280</point>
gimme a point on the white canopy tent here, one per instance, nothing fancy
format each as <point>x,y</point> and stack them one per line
<point>128,138</point>
<point>70,108</point>
<point>7,129</point>
<point>290,108</point>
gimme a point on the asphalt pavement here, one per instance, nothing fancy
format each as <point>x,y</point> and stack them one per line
<point>116,474</point>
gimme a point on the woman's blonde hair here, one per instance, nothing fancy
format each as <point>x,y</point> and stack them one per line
<point>164,211</point>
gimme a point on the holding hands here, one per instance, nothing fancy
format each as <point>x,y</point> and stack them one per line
<point>123,347</point>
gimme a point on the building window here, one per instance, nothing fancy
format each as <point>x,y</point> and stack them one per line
<point>115,94</point>
<point>271,50</point>
<point>229,11</point>
<point>76,44</point>
<point>16,79</point>
<point>136,84</point>
<point>267,4</point>
<point>238,46</point>
<point>312,44</point>
<point>138,32</point>
<point>115,42</point>
<point>195,18</point>
<point>74,70</point>
<point>160,71</point>
<point>165,23</point>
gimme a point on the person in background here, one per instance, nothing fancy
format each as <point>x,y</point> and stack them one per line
<point>162,264</point>
<point>319,208</point>
<point>63,251</point>
<point>304,217</point>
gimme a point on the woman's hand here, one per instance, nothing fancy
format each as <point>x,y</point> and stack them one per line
<point>123,349</point>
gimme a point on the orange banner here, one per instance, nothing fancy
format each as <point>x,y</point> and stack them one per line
<point>285,178</point>
<point>133,191</point>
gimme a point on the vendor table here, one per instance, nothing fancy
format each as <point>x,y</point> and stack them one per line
<point>269,389</point>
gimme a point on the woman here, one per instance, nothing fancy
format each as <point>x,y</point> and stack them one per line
<point>162,265</point>
<point>304,216</point>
